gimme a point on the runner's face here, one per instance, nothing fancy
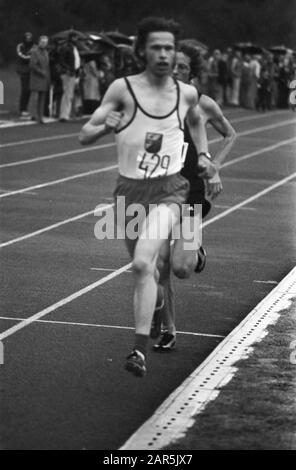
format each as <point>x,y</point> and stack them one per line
<point>182,67</point>
<point>160,53</point>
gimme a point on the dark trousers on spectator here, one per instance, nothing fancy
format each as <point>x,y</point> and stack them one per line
<point>38,104</point>
<point>263,100</point>
<point>25,92</point>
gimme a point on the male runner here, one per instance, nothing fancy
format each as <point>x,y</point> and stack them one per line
<point>147,112</point>
<point>184,261</point>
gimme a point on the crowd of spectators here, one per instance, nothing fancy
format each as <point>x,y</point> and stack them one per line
<point>254,81</point>
<point>68,78</point>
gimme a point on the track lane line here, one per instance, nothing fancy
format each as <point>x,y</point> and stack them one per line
<point>90,287</point>
<point>61,180</point>
<point>54,226</point>
<point>112,167</point>
<point>39,139</point>
<point>116,327</point>
<point>264,150</point>
<point>57,155</point>
<point>85,214</point>
<point>74,134</point>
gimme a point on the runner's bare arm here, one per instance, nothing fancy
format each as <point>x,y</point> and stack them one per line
<point>213,114</point>
<point>199,137</point>
<point>106,118</point>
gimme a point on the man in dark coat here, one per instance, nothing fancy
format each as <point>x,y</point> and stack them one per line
<point>24,50</point>
<point>39,77</point>
<point>70,65</point>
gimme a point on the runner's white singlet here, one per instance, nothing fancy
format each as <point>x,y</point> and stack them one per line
<point>151,146</point>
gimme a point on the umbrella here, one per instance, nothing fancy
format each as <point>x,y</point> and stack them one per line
<point>119,38</point>
<point>248,48</point>
<point>64,35</point>
<point>278,49</point>
<point>101,38</point>
<point>125,47</point>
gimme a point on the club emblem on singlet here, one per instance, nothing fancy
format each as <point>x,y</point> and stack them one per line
<point>153,142</point>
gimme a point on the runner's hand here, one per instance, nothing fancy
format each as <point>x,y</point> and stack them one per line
<point>113,120</point>
<point>214,186</point>
<point>207,168</point>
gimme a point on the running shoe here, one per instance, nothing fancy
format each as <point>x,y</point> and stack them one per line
<point>167,343</point>
<point>136,363</point>
<point>155,329</point>
<point>201,260</point>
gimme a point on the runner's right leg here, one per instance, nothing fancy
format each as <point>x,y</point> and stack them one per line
<point>155,233</point>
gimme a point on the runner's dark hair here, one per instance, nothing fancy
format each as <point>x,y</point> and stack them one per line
<point>191,49</point>
<point>153,24</point>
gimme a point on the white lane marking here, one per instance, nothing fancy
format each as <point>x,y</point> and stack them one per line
<point>59,181</point>
<point>39,139</point>
<point>8,190</point>
<point>266,282</point>
<point>85,214</point>
<point>29,122</point>
<point>53,226</point>
<point>107,269</point>
<point>75,134</point>
<point>119,271</point>
<point>117,327</point>
<point>224,206</point>
<point>112,144</point>
<point>199,334</point>
<point>250,199</point>
<point>259,129</point>
<point>264,150</point>
<point>62,302</point>
<point>177,413</point>
<point>57,155</point>
<point>253,117</point>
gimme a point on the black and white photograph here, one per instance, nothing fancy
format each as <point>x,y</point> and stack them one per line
<point>148,228</point>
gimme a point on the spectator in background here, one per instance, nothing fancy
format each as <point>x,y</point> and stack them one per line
<point>56,82</point>
<point>236,73</point>
<point>91,86</point>
<point>275,83</point>
<point>24,50</point>
<point>39,78</point>
<point>246,83</point>
<point>264,91</point>
<point>269,65</point>
<point>255,71</point>
<point>229,54</point>
<point>293,77</point>
<point>70,66</point>
<point>283,82</point>
<point>215,88</point>
<point>223,78</point>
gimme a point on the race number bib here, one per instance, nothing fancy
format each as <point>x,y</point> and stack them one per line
<point>153,165</point>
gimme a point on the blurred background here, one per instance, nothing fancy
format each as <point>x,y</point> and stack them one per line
<point>218,23</point>
<point>262,30</point>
